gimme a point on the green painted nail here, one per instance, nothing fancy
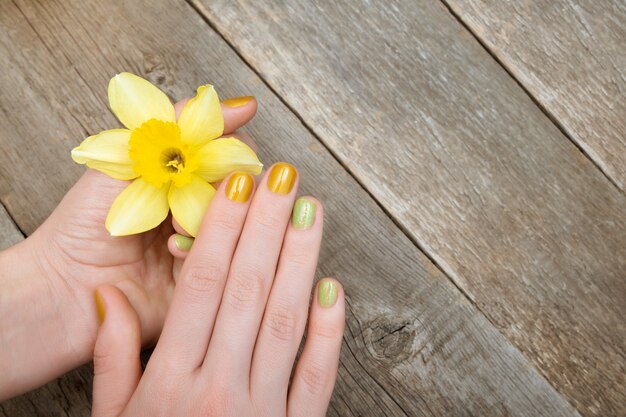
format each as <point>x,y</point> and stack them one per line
<point>303,213</point>
<point>183,242</point>
<point>327,293</point>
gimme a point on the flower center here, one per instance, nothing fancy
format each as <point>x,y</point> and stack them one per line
<point>159,154</point>
<point>174,160</point>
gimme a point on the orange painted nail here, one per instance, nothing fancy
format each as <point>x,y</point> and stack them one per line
<point>100,308</point>
<point>239,187</point>
<point>237,101</point>
<point>282,178</point>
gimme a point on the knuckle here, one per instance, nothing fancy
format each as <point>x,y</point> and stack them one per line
<point>226,221</point>
<point>315,379</point>
<point>268,223</point>
<point>202,278</point>
<point>283,323</point>
<point>165,388</point>
<point>103,362</point>
<point>328,331</point>
<point>245,289</point>
<point>220,401</point>
<point>298,256</point>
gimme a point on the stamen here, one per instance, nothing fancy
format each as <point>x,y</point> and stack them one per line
<point>174,160</point>
<point>175,164</point>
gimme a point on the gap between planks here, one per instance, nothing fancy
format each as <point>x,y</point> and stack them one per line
<point>530,95</point>
<point>3,207</point>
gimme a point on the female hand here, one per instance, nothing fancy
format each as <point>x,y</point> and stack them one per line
<point>236,319</point>
<point>48,323</point>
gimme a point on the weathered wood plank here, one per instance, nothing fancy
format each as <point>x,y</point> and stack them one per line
<point>67,396</point>
<point>415,345</point>
<point>464,160</point>
<point>569,54</point>
<point>9,233</point>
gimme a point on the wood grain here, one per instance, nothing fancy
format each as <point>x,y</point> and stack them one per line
<point>455,150</point>
<point>415,346</point>
<point>569,54</point>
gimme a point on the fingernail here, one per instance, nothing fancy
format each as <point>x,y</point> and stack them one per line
<point>327,293</point>
<point>239,187</point>
<point>183,242</point>
<point>100,306</point>
<point>282,178</point>
<point>303,213</point>
<point>237,101</point>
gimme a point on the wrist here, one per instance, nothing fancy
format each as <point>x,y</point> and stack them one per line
<point>40,335</point>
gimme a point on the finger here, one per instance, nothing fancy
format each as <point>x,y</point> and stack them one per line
<point>179,229</point>
<point>179,245</point>
<point>237,111</point>
<point>200,285</point>
<point>251,274</point>
<point>316,371</point>
<point>178,265</point>
<point>117,368</point>
<point>286,312</point>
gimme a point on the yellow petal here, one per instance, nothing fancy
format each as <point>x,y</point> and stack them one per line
<point>219,158</point>
<point>107,152</point>
<point>201,119</point>
<point>189,203</point>
<point>138,208</point>
<point>135,101</point>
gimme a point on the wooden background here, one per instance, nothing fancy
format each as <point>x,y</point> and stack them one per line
<point>471,156</point>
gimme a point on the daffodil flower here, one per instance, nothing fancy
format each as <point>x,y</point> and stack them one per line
<point>171,163</point>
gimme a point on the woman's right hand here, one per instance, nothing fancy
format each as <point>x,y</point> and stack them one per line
<point>237,317</point>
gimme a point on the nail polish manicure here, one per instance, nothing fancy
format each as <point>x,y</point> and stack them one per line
<point>239,187</point>
<point>327,293</point>
<point>303,215</point>
<point>237,101</point>
<point>282,178</point>
<point>100,308</point>
<point>183,242</point>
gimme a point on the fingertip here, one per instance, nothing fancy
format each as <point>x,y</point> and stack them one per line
<point>329,293</point>
<point>112,305</point>
<point>178,107</point>
<point>237,112</point>
<point>179,245</point>
<point>307,214</point>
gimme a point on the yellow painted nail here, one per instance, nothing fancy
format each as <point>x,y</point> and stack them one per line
<point>100,308</point>
<point>282,178</point>
<point>237,101</point>
<point>239,187</point>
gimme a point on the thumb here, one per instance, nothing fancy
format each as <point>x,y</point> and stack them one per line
<point>117,368</point>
